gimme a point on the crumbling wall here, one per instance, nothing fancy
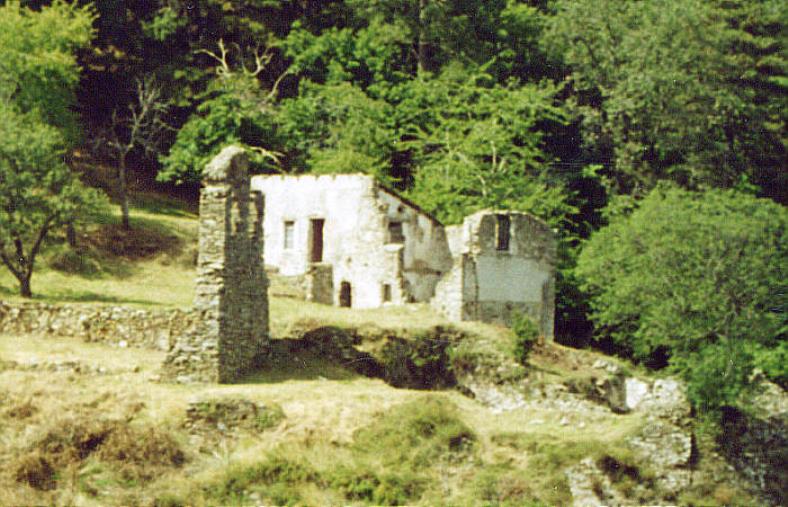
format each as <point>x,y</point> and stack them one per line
<point>319,284</point>
<point>231,294</point>
<point>425,252</point>
<point>494,284</point>
<point>118,326</point>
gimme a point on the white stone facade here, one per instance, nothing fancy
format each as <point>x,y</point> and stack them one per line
<point>353,242</point>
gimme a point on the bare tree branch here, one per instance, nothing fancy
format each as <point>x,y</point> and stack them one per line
<point>141,127</point>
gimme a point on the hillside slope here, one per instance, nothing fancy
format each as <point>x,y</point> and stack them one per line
<point>88,424</point>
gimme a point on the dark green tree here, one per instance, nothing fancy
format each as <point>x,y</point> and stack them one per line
<point>38,73</point>
<point>693,91</point>
<point>687,272</point>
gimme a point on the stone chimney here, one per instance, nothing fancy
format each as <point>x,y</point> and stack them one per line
<point>231,295</point>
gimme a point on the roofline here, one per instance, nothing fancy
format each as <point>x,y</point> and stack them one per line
<point>375,181</point>
<point>407,201</point>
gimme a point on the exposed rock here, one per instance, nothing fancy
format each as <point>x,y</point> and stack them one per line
<point>668,450</point>
<point>757,446</point>
<point>230,414</point>
<point>590,486</point>
<point>635,391</point>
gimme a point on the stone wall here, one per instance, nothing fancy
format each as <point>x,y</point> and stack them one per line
<point>231,295</point>
<point>113,325</point>
<point>493,282</point>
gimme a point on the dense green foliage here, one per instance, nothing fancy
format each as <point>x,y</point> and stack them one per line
<point>234,112</point>
<point>38,192</point>
<point>698,278</point>
<point>526,336</point>
<point>691,91</point>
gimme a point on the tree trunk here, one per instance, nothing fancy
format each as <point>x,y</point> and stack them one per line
<point>423,50</point>
<point>124,193</point>
<point>24,287</point>
<point>71,235</point>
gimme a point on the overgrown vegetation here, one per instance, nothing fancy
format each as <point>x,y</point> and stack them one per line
<point>695,281</point>
<point>526,335</point>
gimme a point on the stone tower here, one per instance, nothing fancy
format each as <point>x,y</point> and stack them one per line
<point>231,294</point>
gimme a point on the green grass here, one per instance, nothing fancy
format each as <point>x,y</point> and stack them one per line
<point>156,270</point>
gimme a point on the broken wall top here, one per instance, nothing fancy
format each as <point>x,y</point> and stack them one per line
<point>229,166</point>
<point>529,236</point>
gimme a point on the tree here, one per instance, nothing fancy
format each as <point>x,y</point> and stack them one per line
<point>234,110</point>
<point>38,192</point>
<point>478,145</point>
<point>39,70</point>
<point>688,271</point>
<point>141,127</point>
<point>38,73</point>
<point>690,91</point>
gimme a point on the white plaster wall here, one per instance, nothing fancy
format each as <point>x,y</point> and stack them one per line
<point>355,236</point>
<point>510,279</point>
<point>425,255</point>
<point>336,199</point>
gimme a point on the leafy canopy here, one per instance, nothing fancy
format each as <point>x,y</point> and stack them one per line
<point>234,111</point>
<point>38,73</point>
<point>38,68</point>
<point>691,91</point>
<point>687,273</point>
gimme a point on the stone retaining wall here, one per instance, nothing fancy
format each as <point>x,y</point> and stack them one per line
<point>114,325</point>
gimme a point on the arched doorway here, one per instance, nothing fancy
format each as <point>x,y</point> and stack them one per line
<point>345,295</point>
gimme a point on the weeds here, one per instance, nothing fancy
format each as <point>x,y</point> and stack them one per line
<point>138,454</point>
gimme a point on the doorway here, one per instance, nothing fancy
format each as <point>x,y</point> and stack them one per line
<point>345,295</point>
<point>316,245</point>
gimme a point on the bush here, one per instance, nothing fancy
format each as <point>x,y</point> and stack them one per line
<point>276,477</point>
<point>526,334</point>
<point>421,362</point>
<point>687,271</point>
<point>421,431</point>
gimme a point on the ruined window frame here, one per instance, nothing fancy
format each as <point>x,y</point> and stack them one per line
<point>503,232</point>
<point>288,234</point>
<point>396,232</point>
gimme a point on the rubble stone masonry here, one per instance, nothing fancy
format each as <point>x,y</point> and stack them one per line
<point>231,294</point>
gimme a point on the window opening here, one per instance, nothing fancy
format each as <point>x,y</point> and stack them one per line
<point>503,232</point>
<point>396,234</point>
<point>386,292</point>
<point>289,234</point>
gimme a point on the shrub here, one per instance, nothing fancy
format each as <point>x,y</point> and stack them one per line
<point>276,477</point>
<point>421,362</point>
<point>526,334</point>
<point>417,432</point>
<point>687,271</point>
<point>383,489</point>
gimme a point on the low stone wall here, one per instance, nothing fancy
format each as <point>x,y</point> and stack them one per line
<point>114,325</point>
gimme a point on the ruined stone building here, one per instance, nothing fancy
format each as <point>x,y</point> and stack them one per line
<point>231,295</point>
<point>349,241</point>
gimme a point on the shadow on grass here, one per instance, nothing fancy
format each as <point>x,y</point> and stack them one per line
<point>110,251</point>
<point>12,293</point>
<point>163,205</point>
<point>91,297</point>
<point>291,360</point>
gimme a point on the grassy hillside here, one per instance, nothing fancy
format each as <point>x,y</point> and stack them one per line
<point>85,424</point>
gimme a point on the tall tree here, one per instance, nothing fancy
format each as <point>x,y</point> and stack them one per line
<point>235,110</point>
<point>38,192</point>
<point>666,90</point>
<point>140,127</point>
